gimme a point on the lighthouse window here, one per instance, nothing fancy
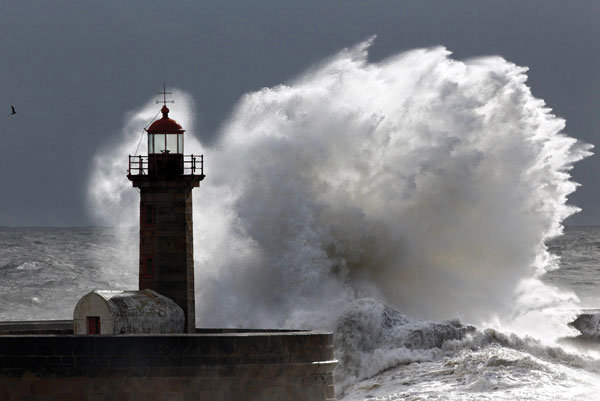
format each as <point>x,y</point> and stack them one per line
<point>179,143</point>
<point>172,143</point>
<point>150,143</point>
<point>159,143</point>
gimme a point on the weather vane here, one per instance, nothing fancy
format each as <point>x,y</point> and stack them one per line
<point>165,93</point>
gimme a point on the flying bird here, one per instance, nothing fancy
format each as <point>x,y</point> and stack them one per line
<point>13,110</point>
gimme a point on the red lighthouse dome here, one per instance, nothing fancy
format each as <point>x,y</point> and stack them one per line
<point>165,125</point>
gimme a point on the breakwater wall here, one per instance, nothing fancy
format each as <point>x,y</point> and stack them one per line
<point>216,364</point>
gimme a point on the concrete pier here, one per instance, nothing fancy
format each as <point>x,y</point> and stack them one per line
<point>219,364</point>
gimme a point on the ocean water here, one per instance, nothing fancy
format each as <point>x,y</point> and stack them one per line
<point>383,353</point>
<point>46,270</point>
<point>412,205</point>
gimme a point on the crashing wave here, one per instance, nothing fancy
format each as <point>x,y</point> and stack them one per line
<point>377,346</point>
<point>371,336</point>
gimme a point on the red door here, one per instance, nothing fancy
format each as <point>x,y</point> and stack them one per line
<point>93,323</point>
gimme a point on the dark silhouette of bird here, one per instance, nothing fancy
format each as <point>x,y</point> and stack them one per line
<point>12,110</point>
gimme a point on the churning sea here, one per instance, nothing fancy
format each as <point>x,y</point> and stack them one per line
<point>383,354</point>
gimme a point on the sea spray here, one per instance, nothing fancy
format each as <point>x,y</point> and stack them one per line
<point>425,182</point>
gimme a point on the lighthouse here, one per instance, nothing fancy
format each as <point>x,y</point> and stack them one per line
<point>165,178</point>
<point>143,344</point>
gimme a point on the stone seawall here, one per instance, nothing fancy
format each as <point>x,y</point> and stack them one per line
<point>255,365</point>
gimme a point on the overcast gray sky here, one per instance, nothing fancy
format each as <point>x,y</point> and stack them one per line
<point>73,68</point>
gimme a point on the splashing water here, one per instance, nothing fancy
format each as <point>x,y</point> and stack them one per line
<point>425,182</point>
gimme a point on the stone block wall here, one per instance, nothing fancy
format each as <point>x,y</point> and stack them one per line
<point>166,243</point>
<point>262,366</point>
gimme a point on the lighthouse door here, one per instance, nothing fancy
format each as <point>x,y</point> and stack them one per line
<point>93,323</point>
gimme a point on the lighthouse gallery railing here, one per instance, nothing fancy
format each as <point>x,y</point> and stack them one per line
<point>192,164</point>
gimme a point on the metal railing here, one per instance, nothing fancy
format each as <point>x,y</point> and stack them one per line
<point>192,164</point>
<point>138,165</point>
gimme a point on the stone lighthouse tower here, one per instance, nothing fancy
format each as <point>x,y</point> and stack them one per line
<point>165,179</point>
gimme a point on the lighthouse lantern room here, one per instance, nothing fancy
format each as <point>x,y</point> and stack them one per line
<point>165,135</point>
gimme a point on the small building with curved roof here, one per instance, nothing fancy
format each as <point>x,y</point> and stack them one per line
<point>127,312</point>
